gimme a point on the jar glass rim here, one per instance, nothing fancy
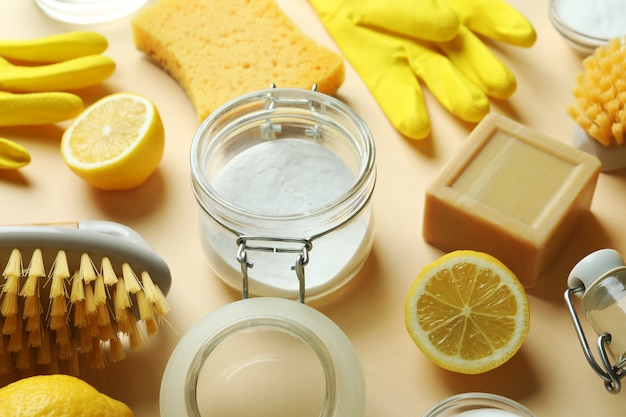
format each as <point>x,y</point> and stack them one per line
<point>349,385</point>
<point>474,399</point>
<point>582,41</point>
<point>266,323</point>
<point>364,180</point>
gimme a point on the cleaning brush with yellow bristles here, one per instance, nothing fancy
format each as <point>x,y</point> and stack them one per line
<point>600,110</point>
<point>86,288</point>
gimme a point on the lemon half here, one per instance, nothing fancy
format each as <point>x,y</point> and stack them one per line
<point>467,312</point>
<point>116,143</point>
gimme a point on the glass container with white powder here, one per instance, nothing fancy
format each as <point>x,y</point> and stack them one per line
<point>284,179</point>
<point>478,404</point>
<point>85,12</point>
<point>588,24</point>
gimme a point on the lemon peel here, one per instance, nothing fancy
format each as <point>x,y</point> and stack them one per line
<point>58,395</point>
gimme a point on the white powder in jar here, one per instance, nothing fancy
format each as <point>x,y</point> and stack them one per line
<point>284,177</point>
<point>288,177</point>
<point>598,18</point>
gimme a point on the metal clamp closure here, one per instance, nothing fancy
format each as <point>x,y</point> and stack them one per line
<point>269,129</point>
<point>300,247</point>
<point>611,375</point>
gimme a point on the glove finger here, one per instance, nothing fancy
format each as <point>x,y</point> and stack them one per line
<point>400,97</point>
<point>396,89</point>
<point>382,65</point>
<point>425,19</point>
<point>432,20</point>
<point>452,89</point>
<point>480,65</point>
<point>380,60</point>
<point>497,20</point>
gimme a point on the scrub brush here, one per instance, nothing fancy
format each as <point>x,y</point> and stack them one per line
<point>600,92</point>
<point>49,319</point>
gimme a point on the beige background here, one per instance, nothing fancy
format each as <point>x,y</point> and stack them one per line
<point>549,375</point>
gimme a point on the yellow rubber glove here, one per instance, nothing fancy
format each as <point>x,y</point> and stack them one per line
<point>395,44</point>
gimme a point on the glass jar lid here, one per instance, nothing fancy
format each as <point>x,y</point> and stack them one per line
<point>263,357</point>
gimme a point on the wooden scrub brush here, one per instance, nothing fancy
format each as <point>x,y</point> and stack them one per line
<point>600,92</point>
<point>88,288</point>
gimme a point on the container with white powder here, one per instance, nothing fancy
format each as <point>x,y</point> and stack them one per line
<point>478,404</point>
<point>587,24</point>
<point>284,178</point>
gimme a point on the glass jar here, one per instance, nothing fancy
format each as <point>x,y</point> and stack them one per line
<point>267,357</point>
<point>478,404</point>
<point>284,179</point>
<point>604,305</point>
<point>600,280</point>
<point>585,25</point>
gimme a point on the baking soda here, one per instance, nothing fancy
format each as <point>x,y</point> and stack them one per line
<point>288,177</point>
<point>284,177</point>
<point>598,18</point>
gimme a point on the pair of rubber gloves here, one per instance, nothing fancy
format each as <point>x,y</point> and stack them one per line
<point>393,44</point>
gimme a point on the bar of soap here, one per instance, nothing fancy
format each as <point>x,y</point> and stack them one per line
<point>510,192</point>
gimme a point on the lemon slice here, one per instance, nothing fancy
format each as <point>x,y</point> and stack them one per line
<point>116,143</point>
<point>467,312</point>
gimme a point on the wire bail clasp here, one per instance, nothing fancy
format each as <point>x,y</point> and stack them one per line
<point>599,280</point>
<point>300,247</point>
<point>611,375</point>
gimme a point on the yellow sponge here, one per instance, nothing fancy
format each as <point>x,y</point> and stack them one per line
<point>220,49</point>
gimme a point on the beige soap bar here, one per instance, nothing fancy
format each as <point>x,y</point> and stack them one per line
<point>510,192</point>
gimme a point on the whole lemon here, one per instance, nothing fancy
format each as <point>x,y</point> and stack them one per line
<point>57,395</point>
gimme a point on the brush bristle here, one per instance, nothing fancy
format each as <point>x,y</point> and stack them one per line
<point>600,93</point>
<point>89,310</point>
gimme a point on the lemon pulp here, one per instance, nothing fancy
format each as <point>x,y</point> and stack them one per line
<point>467,312</point>
<point>116,143</point>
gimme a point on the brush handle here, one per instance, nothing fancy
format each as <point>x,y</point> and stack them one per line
<point>114,229</point>
<point>612,157</point>
<point>97,239</point>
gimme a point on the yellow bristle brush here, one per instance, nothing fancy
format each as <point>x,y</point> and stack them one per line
<point>77,289</point>
<point>600,92</point>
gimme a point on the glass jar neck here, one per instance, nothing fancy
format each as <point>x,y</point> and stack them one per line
<point>277,114</point>
<point>605,291</point>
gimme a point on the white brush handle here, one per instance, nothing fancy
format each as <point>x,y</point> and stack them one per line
<point>98,239</point>
<point>114,229</point>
